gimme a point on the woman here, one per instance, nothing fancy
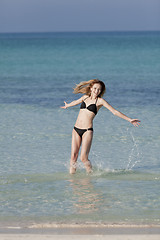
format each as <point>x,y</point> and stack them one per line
<point>82,134</point>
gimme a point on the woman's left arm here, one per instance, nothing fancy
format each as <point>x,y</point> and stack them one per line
<point>104,103</point>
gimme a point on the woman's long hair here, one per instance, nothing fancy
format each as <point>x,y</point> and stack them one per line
<point>85,87</point>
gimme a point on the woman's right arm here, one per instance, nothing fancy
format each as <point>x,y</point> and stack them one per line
<point>74,103</point>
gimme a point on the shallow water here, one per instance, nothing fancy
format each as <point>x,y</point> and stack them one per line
<point>37,74</point>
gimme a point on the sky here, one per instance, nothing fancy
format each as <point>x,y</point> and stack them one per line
<point>79,15</point>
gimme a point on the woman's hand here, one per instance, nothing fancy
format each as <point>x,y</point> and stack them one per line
<point>65,106</point>
<point>73,103</point>
<point>135,122</point>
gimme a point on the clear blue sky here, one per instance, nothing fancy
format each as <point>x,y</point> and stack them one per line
<point>79,15</point>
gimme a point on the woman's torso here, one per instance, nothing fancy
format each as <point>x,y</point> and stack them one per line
<point>88,111</point>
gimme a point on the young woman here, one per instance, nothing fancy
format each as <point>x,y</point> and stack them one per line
<point>82,134</point>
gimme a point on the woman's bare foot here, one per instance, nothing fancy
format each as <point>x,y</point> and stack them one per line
<point>88,166</point>
<point>72,169</point>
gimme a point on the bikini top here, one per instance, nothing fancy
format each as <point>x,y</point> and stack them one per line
<point>92,107</point>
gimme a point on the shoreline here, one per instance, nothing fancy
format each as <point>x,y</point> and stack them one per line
<point>69,227</point>
<point>82,231</point>
<point>32,224</point>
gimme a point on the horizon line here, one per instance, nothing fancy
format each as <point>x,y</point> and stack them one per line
<point>75,31</point>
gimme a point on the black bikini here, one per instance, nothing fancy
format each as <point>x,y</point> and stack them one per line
<point>93,108</point>
<point>82,131</point>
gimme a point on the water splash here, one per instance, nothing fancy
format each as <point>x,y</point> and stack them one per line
<point>135,155</point>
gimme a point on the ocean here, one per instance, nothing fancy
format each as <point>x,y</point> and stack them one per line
<point>37,74</point>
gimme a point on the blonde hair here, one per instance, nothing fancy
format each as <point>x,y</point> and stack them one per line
<point>85,87</point>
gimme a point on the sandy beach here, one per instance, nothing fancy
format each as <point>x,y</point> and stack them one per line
<point>79,237</point>
<point>84,232</point>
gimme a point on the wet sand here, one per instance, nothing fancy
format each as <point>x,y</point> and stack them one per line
<point>81,232</point>
<point>79,237</point>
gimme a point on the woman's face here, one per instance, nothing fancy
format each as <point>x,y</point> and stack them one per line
<point>96,89</point>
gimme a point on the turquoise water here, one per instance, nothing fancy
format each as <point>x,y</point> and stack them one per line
<point>37,73</point>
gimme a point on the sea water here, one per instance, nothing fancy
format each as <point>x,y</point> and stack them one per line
<point>37,74</point>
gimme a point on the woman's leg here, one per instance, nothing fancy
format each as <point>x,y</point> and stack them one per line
<point>86,145</point>
<point>76,143</point>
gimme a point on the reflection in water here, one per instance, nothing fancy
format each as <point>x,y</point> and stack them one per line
<point>85,197</point>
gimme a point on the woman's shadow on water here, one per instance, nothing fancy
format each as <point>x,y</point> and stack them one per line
<point>85,197</point>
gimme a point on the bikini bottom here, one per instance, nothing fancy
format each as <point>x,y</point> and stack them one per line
<point>82,131</point>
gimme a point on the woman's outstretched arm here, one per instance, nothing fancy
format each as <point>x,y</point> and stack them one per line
<point>104,103</point>
<point>74,103</point>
